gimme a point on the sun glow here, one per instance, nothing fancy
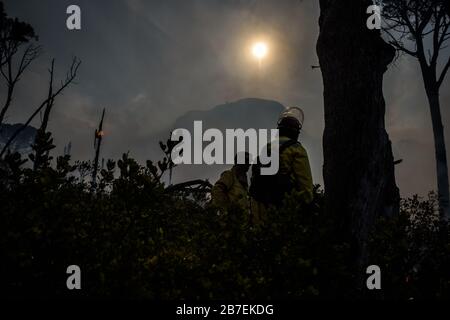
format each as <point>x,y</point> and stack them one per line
<point>259,50</point>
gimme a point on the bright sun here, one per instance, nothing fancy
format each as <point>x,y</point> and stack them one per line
<point>259,50</point>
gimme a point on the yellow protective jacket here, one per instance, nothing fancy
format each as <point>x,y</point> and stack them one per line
<point>229,191</point>
<point>295,163</point>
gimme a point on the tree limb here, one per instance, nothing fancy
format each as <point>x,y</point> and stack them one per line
<point>443,73</point>
<point>11,78</point>
<point>70,77</point>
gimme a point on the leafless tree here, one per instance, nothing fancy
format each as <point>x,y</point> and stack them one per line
<point>48,102</point>
<point>421,29</point>
<point>11,77</point>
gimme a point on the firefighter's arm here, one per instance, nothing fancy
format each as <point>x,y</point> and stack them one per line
<point>219,192</point>
<point>302,172</point>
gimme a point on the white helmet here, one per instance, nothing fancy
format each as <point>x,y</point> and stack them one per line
<point>292,116</point>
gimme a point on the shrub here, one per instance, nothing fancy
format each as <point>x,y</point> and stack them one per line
<point>134,239</point>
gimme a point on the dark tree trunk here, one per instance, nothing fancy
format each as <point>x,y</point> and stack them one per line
<point>440,153</point>
<point>7,103</point>
<point>432,89</point>
<point>358,163</point>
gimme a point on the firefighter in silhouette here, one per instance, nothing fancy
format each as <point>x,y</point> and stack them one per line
<point>294,173</point>
<point>231,190</point>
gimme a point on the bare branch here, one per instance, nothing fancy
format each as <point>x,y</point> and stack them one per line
<point>70,76</point>
<point>443,73</point>
<point>403,49</point>
<point>445,35</point>
<point>437,44</point>
<point>426,19</point>
<point>31,53</point>
<point>50,101</point>
<point>399,45</point>
<point>11,78</point>
<point>408,23</point>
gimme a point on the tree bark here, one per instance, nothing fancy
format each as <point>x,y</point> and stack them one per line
<point>358,163</point>
<point>431,85</point>
<point>7,104</point>
<point>440,153</point>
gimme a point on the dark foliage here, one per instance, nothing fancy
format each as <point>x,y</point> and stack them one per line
<point>134,239</point>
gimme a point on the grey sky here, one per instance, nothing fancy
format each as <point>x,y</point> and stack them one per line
<point>149,62</point>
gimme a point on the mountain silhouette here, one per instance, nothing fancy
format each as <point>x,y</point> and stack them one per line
<point>245,114</point>
<point>22,143</point>
<point>242,114</point>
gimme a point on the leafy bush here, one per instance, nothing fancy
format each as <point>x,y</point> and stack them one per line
<point>132,238</point>
<point>413,249</point>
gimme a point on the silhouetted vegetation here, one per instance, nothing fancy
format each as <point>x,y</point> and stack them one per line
<point>133,237</point>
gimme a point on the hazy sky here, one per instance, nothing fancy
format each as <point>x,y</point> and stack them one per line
<point>149,62</point>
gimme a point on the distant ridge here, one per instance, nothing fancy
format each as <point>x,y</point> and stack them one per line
<point>245,113</point>
<point>22,143</point>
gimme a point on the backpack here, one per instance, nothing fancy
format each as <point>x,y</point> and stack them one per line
<point>270,189</point>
